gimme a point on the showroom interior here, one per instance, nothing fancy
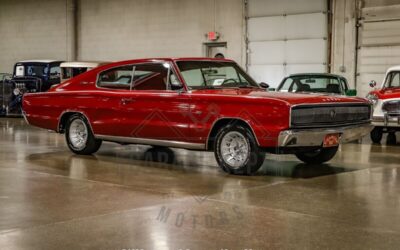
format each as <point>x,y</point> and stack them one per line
<point>93,158</point>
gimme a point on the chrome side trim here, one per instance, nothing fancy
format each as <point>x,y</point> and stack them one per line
<point>144,141</point>
<point>315,137</point>
<point>236,118</point>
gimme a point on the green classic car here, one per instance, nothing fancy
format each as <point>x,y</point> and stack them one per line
<point>316,83</point>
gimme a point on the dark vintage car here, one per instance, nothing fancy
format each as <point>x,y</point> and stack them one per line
<point>196,104</point>
<point>316,83</point>
<point>29,76</point>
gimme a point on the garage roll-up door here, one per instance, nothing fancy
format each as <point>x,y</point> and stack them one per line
<point>379,45</point>
<point>285,38</point>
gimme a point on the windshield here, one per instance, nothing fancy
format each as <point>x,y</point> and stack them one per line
<point>319,84</point>
<point>392,80</point>
<point>68,73</point>
<point>213,74</point>
<point>32,70</point>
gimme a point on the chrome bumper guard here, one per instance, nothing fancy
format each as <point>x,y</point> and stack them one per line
<point>315,137</point>
<point>386,121</point>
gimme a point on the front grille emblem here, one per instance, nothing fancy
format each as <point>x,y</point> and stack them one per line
<point>332,114</point>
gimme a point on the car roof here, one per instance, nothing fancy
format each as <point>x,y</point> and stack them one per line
<point>89,64</point>
<point>144,60</point>
<point>316,74</point>
<point>394,68</point>
<point>39,61</point>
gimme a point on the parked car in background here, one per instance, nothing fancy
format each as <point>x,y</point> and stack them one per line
<point>29,76</point>
<point>72,69</point>
<point>197,104</point>
<point>5,92</point>
<point>316,83</point>
<point>386,103</point>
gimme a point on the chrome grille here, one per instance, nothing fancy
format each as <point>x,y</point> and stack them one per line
<point>31,84</point>
<point>20,85</point>
<point>391,107</point>
<point>329,115</point>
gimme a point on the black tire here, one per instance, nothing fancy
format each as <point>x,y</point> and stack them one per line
<point>391,139</point>
<point>254,158</point>
<point>91,145</point>
<point>376,135</point>
<point>317,156</point>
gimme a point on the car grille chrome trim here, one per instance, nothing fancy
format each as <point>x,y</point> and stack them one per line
<point>391,107</point>
<point>329,115</point>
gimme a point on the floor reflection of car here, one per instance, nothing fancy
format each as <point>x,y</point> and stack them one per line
<point>72,69</point>
<point>29,76</point>
<point>386,101</point>
<point>316,83</point>
<point>196,104</point>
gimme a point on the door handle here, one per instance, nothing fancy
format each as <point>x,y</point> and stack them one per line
<point>125,101</point>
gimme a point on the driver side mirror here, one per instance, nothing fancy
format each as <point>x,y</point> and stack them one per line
<point>264,85</point>
<point>372,84</point>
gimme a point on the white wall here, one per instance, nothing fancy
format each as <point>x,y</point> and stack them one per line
<point>117,30</point>
<point>31,29</point>
<point>124,29</point>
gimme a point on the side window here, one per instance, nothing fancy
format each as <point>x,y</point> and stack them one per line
<point>55,72</point>
<point>116,78</point>
<point>150,77</point>
<point>193,77</point>
<point>66,73</point>
<point>344,85</point>
<point>394,79</point>
<point>288,86</point>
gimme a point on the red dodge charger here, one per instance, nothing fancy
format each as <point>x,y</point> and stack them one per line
<point>196,104</point>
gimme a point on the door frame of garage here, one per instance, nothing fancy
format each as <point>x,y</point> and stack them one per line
<point>209,45</point>
<point>329,29</point>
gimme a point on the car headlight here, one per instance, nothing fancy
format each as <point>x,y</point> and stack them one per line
<point>372,98</point>
<point>16,91</point>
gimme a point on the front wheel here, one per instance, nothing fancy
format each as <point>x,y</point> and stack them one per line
<point>376,135</point>
<point>79,136</point>
<point>237,152</point>
<point>317,156</point>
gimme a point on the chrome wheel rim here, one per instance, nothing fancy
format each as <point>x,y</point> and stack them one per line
<point>78,134</point>
<point>235,149</point>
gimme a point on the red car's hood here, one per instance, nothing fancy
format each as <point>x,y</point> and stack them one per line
<point>290,98</point>
<point>388,93</point>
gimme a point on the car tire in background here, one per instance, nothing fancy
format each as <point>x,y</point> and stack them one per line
<point>376,135</point>
<point>236,150</point>
<point>79,136</point>
<point>317,156</point>
<point>391,139</point>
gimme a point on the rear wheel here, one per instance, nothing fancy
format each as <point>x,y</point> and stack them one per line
<point>236,150</point>
<point>376,135</point>
<point>317,156</point>
<point>79,136</point>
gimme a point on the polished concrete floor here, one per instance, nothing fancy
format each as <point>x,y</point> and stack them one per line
<point>135,197</point>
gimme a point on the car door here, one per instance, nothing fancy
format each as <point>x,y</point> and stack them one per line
<point>113,89</point>
<point>152,110</point>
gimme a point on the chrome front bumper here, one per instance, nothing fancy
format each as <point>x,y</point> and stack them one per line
<point>315,137</point>
<point>386,121</point>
